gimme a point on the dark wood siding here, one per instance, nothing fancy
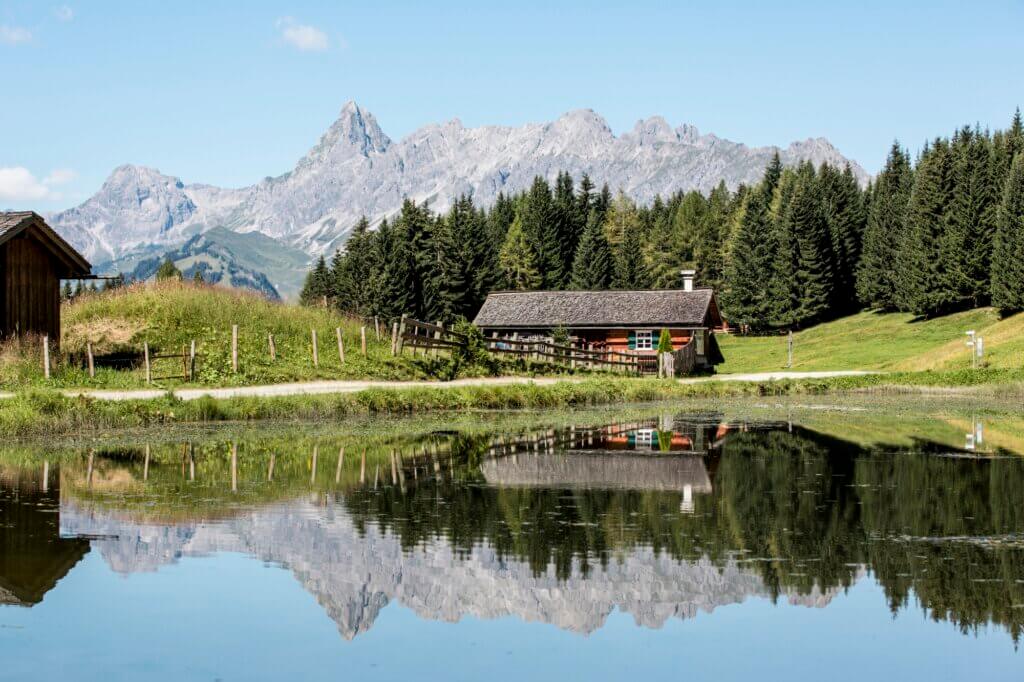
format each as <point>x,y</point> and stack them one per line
<point>29,288</point>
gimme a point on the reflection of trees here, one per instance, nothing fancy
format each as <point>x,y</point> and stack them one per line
<point>806,511</point>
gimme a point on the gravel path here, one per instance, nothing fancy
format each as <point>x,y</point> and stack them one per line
<point>322,387</point>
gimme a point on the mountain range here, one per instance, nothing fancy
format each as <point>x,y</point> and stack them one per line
<point>356,170</point>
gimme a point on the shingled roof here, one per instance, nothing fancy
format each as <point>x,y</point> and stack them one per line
<point>13,223</point>
<point>598,309</point>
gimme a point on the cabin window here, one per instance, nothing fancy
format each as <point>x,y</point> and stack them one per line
<point>644,340</point>
<point>644,437</point>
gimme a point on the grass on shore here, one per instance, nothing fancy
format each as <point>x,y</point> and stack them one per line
<point>882,341</point>
<point>169,315</point>
<point>50,413</point>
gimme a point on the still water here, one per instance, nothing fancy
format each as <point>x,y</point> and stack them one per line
<point>826,545</point>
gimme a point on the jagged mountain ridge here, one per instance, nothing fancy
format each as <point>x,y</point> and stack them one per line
<point>355,169</point>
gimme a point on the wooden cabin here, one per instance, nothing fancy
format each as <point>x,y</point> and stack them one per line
<point>613,320</point>
<point>33,261</point>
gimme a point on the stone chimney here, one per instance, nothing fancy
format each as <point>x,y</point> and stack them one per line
<point>688,276</point>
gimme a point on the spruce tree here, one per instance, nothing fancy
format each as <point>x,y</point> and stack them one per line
<point>168,270</point>
<point>970,221</point>
<point>922,281</point>
<point>1007,260</point>
<point>394,297</point>
<point>357,275</point>
<point>593,265</point>
<point>745,297</point>
<point>709,243</point>
<point>880,248</point>
<point>843,207</point>
<point>197,277</point>
<point>566,229</point>
<point>65,293</point>
<point>316,286</point>
<point>630,270</point>
<point>783,279</point>
<point>539,224</point>
<point>815,261</point>
<point>518,260</point>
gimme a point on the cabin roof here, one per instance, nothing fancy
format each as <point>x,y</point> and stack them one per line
<point>599,309</point>
<point>13,223</point>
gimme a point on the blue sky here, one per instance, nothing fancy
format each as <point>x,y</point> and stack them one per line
<point>227,93</point>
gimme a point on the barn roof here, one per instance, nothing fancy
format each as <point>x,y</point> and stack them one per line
<point>599,309</point>
<point>13,223</point>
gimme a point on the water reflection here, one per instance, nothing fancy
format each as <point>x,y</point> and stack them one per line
<point>660,518</point>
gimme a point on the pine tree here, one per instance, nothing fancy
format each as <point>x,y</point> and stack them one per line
<point>784,291</point>
<point>539,224</point>
<point>584,204</point>
<point>394,297</point>
<point>630,270</point>
<point>966,247</point>
<point>883,234</point>
<point>592,267</point>
<point>518,261</point>
<point>566,229</point>
<point>745,296</point>
<point>197,277</point>
<point>922,281</point>
<point>843,207</point>
<point>709,244</point>
<point>317,284</point>
<point>167,270</point>
<point>1007,263</point>
<point>815,261</point>
<point>65,293</point>
<point>357,275</point>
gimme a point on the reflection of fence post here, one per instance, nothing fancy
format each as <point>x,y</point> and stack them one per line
<point>341,463</point>
<point>234,467</point>
<point>145,352</point>
<point>316,352</point>
<point>46,356</point>
<point>91,360</point>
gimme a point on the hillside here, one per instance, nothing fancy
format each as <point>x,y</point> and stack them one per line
<point>889,341</point>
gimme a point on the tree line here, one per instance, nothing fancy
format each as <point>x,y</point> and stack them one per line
<point>804,245</point>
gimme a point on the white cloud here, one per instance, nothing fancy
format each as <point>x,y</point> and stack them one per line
<point>14,35</point>
<point>60,176</point>
<point>301,36</point>
<point>17,183</point>
<point>64,13</point>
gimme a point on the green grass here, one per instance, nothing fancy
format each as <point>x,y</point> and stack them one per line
<point>50,413</point>
<point>169,315</point>
<point>882,341</point>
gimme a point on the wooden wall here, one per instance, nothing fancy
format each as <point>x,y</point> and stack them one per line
<point>29,288</point>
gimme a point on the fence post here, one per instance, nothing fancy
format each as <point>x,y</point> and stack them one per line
<point>316,353</point>
<point>362,337</point>
<point>192,361</point>
<point>46,356</point>
<point>341,345</point>
<point>394,338</point>
<point>91,360</point>
<point>376,327</point>
<point>272,346</point>
<point>437,336</point>
<point>401,333</point>
<point>145,352</point>
<point>234,348</point>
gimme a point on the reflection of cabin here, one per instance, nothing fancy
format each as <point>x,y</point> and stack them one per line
<point>613,320</point>
<point>610,471</point>
<point>33,261</point>
<point>33,555</point>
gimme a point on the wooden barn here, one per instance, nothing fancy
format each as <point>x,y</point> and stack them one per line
<point>33,261</point>
<point>614,320</point>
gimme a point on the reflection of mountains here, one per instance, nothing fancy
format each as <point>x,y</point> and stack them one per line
<point>354,574</point>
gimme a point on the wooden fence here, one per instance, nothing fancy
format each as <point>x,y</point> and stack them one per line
<point>573,356</point>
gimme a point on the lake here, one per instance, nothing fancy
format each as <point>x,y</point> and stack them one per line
<point>841,541</point>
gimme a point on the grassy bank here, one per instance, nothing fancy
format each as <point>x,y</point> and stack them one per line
<point>883,341</point>
<point>50,413</point>
<point>169,315</point>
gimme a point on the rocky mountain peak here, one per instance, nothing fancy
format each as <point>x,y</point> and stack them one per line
<point>653,130</point>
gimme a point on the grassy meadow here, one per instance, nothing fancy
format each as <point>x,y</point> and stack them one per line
<point>883,341</point>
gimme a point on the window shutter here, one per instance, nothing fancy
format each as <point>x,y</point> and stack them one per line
<point>632,340</point>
